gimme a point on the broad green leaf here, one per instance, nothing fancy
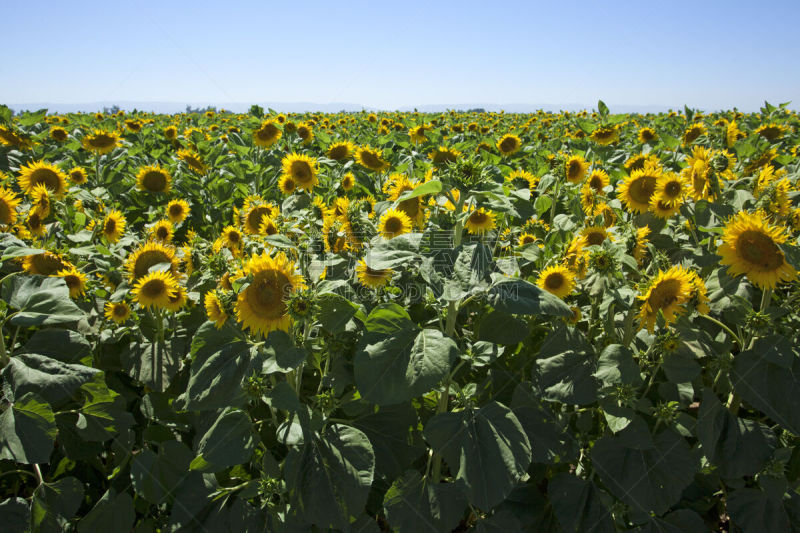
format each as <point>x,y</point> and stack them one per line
<point>502,328</point>
<point>602,108</point>
<point>156,477</point>
<point>103,414</point>
<point>153,363</point>
<point>220,361</point>
<point>565,366</point>
<point>755,512</point>
<point>53,504</point>
<point>530,506</point>
<point>414,504</point>
<point>430,187</point>
<point>29,118</point>
<point>737,446</point>
<point>391,369</point>
<point>680,521</point>
<point>768,378</point>
<point>329,477</point>
<point>51,379</point>
<point>113,512</point>
<point>282,354</point>
<point>229,442</point>
<point>616,366</point>
<point>578,504</point>
<point>43,302</point>
<point>335,311</point>
<point>16,514</point>
<point>518,296</point>
<point>62,344</point>
<point>551,438</point>
<point>650,479</point>
<point>394,437</point>
<point>27,430</point>
<point>388,318</point>
<point>486,449</point>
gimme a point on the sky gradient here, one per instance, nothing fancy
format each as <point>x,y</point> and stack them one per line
<point>709,55</point>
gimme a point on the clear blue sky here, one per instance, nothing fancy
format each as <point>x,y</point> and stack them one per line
<point>709,55</point>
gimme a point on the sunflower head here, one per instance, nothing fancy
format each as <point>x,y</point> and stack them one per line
<point>162,231</point>
<point>693,132</point>
<point>340,151</point>
<point>480,221</point>
<point>75,280</point>
<point>372,278</point>
<point>192,160</point>
<point>394,222</point>
<point>101,142</point>
<point>117,312</point>
<point>666,294</point>
<point>647,135</point>
<point>59,134</point>
<point>8,206</point>
<point>267,134</point>
<point>302,169</point>
<point>371,158</point>
<point>46,264</point>
<point>558,280</point>
<point>153,179</point>
<point>150,255</point>
<point>78,176</point>
<point>261,306</point>
<point>636,190</point>
<point>41,173</point>
<point>348,181</point>
<point>605,135</point>
<point>509,144</point>
<point>575,168</point>
<point>155,289</point>
<point>216,310</point>
<point>177,211</point>
<point>443,156</point>
<point>178,300</point>
<point>113,226</point>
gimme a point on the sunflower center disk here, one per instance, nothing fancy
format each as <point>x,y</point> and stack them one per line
<point>265,295</point>
<point>301,171</point>
<point>46,177</point>
<point>147,260</point>
<point>154,181</point>
<point>664,295</point>
<point>554,281</point>
<point>642,189</point>
<point>758,249</point>
<point>394,225</point>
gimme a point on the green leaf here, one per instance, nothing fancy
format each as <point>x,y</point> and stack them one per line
<point>602,108</point>
<point>54,381</point>
<point>156,477</point>
<point>391,369</point>
<point>430,187</point>
<point>53,504</point>
<point>220,361</point>
<point>5,114</point>
<point>616,366</point>
<point>32,117</point>
<point>502,328</point>
<point>394,438</point>
<point>388,318</point>
<point>62,344</point>
<point>518,296</point>
<point>335,311</point>
<point>16,515</point>
<point>104,414</point>
<point>565,366</point>
<point>551,439</point>
<point>680,521</point>
<point>329,477</point>
<point>43,302</point>
<point>737,446</point>
<point>755,512</point>
<point>487,447</point>
<point>113,512</point>
<point>578,504</point>
<point>647,479</point>
<point>282,354</point>
<point>414,504</point>
<point>153,363</point>
<point>767,377</point>
<point>228,442</point>
<point>27,430</point>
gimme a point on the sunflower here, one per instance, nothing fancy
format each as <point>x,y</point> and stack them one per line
<point>693,132</point>
<point>509,144</point>
<point>340,151</point>
<point>348,181</point>
<point>334,234</point>
<point>268,226</point>
<point>177,300</point>
<point>395,186</point>
<point>9,137</point>
<point>78,176</point>
<point>772,191</point>
<point>305,132</point>
<point>371,158</point>
<point>232,238</point>
<point>8,206</point>
<point>75,280</point>
<point>215,311</point>
<point>171,133</point>
<point>647,135</point>
<point>605,135</point>
<point>524,178</point>
<point>41,173</point>
<point>101,142</point>
<point>149,255</point>
<point>46,264</point>
<point>117,312</point>
<point>155,289</point>
<point>193,160</point>
<point>302,169</point>
<point>526,238</point>
<point>558,280</point>
<point>113,226</point>
<point>444,155</point>
<point>40,200</point>
<point>771,132</point>
<point>261,307</point>
<point>641,242</point>
<point>254,209</point>
<point>575,169</point>
<point>733,134</point>
<point>286,184</point>
<point>372,278</point>
<point>664,210</point>
<point>417,133</point>
<point>667,294</point>
<point>751,246</point>
<point>638,161</point>
<point>394,222</point>
<point>35,223</point>
<point>162,231</point>
<point>576,256</point>
<point>267,134</point>
<point>154,179</point>
<point>480,221</point>
<point>636,190</point>
<point>57,133</point>
<point>598,180</point>
<point>594,235</point>
<point>177,211</point>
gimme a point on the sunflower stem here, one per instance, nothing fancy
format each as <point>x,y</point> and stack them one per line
<point>555,200</point>
<point>728,330</point>
<point>4,358</point>
<point>627,336</point>
<point>38,473</point>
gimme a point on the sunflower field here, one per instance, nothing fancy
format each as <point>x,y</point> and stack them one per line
<point>410,322</point>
